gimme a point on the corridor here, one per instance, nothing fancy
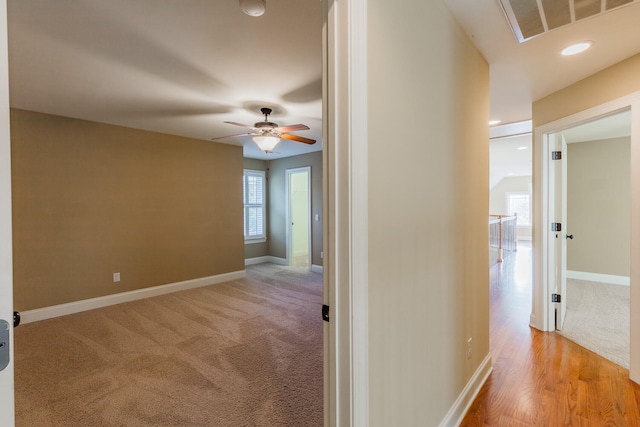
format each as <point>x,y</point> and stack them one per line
<point>541,378</point>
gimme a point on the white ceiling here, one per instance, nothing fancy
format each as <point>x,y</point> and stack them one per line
<point>512,156</point>
<point>614,126</point>
<point>509,157</point>
<point>521,73</point>
<point>176,67</point>
<point>185,67</point>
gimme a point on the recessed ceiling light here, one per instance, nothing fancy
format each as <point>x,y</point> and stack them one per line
<point>494,122</point>
<point>522,148</point>
<point>576,48</point>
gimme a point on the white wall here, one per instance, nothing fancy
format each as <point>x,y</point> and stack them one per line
<point>514,184</point>
<point>428,208</point>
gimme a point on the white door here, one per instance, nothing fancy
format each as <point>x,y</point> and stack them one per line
<point>299,217</point>
<point>6,263</point>
<point>558,210</point>
<point>562,308</point>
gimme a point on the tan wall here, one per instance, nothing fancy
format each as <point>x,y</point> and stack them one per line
<point>428,143</point>
<point>277,238</point>
<point>599,206</point>
<point>256,250</point>
<point>91,199</point>
<point>612,83</point>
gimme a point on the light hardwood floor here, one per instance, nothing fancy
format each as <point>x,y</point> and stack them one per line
<point>541,378</point>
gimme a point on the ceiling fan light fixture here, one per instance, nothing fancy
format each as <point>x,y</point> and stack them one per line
<point>266,143</point>
<point>253,7</point>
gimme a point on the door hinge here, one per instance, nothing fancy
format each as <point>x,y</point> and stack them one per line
<point>325,312</point>
<point>556,298</point>
<point>5,352</point>
<point>556,226</point>
<point>556,155</point>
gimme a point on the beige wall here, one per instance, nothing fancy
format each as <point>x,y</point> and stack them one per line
<point>277,240</point>
<point>256,250</point>
<point>612,83</point>
<point>599,206</point>
<point>428,208</point>
<point>91,199</point>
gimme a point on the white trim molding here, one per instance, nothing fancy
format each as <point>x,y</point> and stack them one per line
<point>462,404</point>
<point>597,277</point>
<point>257,260</point>
<point>38,314</point>
<point>263,259</point>
<point>346,246</point>
<point>317,268</point>
<point>279,261</point>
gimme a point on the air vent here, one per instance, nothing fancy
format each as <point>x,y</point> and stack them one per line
<point>530,18</point>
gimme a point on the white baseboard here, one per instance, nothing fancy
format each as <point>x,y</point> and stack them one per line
<point>279,261</point>
<point>263,259</point>
<point>317,268</point>
<point>257,260</point>
<point>107,300</point>
<point>596,277</point>
<point>459,409</point>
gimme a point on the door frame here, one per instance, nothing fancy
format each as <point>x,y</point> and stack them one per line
<point>345,210</point>
<point>542,313</point>
<point>346,225</point>
<point>7,407</point>
<point>289,234</point>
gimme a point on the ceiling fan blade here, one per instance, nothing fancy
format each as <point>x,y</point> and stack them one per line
<point>292,128</point>
<point>231,136</point>
<point>241,125</point>
<point>297,138</point>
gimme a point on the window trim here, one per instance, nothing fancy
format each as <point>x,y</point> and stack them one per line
<point>262,237</point>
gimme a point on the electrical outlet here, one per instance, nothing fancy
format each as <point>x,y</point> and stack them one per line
<point>469,347</point>
<point>116,277</point>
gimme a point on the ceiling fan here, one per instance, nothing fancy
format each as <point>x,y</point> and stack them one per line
<point>267,134</point>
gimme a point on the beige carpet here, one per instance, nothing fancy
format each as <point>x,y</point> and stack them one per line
<point>597,318</point>
<point>242,353</point>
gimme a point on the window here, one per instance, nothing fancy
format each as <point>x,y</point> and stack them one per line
<point>519,204</point>
<point>254,206</point>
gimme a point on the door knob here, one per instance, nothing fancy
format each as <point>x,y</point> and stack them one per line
<point>570,236</point>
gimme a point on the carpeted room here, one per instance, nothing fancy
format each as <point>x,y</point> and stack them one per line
<point>92,199</point>
<point>246,352</point>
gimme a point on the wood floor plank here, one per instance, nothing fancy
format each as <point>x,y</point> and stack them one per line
<point>541,378</point>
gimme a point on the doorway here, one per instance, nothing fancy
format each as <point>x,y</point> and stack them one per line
<point>299,217</point>
<point>596,229</point>
<point>551,229</point>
